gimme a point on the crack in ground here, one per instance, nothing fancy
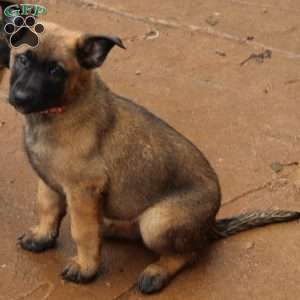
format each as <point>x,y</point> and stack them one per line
<point>269,184</point>
<point>187,27</point>
<point>126,293</point>
<point>50,290</point>
<point>247,193</point>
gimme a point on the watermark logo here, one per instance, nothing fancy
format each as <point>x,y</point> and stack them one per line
<point>23,28</point>
<point>25,10</point>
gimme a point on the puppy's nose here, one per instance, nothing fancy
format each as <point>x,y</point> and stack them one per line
<point>21,97</point>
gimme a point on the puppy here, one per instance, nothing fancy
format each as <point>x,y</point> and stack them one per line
<point>121,171</point>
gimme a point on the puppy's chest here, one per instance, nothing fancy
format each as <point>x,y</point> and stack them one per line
<point>54,163</point>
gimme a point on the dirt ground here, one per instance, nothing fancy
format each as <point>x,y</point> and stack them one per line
<point>183,63</point>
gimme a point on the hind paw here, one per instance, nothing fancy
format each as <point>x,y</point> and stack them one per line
<point>153,279</point>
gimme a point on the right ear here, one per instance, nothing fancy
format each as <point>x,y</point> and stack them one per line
<point>91,51</point>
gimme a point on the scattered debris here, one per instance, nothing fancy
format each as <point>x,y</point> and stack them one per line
<point>220,53</point>
<point>138,72</point>
<point>213,19</point>
<point>259,58</point>
<point>292,81</point>
<point>277,166</point>
<point>89,3</point>
<point>266,90</point>
<point>250,38</point>
<point>152,35</point>
<point>108,284</point>
<point>249,245</point>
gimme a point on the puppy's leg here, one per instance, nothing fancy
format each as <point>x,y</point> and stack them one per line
<point>157,275</point>
<point>176,229</point>
<point>118,229</point>
<point>51,210</point>
<point>85,208</point>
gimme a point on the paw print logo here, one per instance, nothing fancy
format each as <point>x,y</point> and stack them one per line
<point>24,31</point>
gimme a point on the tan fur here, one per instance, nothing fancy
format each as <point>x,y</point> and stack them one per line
<point>51,209</point>
<point>86,228</point>
<point>111,158</point>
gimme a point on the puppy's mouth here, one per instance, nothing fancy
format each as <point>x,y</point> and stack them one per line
<point>33,106</point>
<point>53,110</point>
<point>30,110</point>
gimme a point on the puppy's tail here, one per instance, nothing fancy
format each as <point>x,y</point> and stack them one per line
<point>227,227</point>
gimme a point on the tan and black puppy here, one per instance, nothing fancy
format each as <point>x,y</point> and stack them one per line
<point>121,171</point>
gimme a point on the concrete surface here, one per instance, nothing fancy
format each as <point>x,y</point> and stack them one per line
<point>242,117</point>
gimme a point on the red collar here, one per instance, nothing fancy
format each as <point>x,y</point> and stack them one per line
<point>53,110</point>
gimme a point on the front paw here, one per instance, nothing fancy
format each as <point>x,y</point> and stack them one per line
<point>74,272</point>
<point>35,243</point>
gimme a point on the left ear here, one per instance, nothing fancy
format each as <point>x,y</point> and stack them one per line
<point>91,51</point>
<point>4,48</point>
<point>4,53</point>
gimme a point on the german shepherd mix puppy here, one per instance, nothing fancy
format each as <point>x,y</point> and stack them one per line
<point>121,171</point>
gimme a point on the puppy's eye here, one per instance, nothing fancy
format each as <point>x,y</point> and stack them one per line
<point>56,70</point>
<point>23,60</point>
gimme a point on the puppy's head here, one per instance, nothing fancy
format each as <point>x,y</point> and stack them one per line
<point>52,74</point>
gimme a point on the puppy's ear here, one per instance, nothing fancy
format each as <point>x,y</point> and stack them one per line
<point>91,51</point>
<point>4,5</point>
<point>4,53</point>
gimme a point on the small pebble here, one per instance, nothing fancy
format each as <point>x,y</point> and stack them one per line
<point>152,34</point>
<point>213,19</point>
<point>220,53</point>
<point>249,245</point>
<point>138,72</point>
<point>276,166</point>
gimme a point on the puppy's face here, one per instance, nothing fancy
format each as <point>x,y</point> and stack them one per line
<point>51,75</point>
<point>36,84</point>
